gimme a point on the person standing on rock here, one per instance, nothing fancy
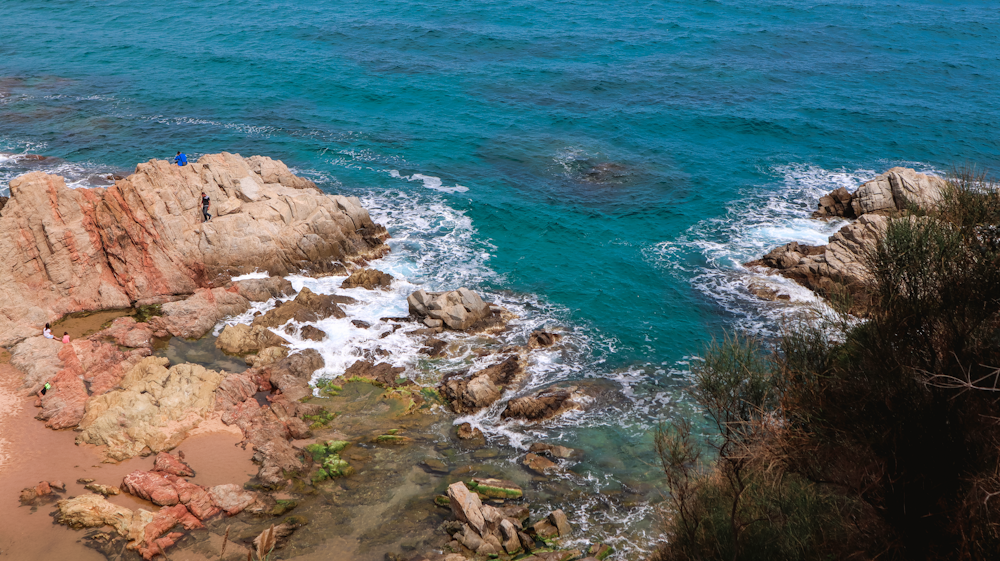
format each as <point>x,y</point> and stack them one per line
<point>181,159</point>
<point>205,203</point>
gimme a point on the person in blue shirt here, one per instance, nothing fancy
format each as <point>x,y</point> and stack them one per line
<point>181,159</point>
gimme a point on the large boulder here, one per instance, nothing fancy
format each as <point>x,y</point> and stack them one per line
<point>142,239</point>
<point>542,405</point>
<point>457,309</point>
<point>307,306</point>
<point>195,316</point>
<point>241,339</point>
<point>262,290</point>
<point>155,408</point>
<point>471,392</point>
<point>896,189</point>
<point>367,278</point>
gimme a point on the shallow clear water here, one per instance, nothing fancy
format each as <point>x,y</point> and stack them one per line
<point>601,167</point>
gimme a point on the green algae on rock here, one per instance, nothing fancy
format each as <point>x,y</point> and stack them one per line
<point>495,488</point>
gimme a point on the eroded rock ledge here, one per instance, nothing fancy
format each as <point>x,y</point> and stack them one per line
<point>142,240</point>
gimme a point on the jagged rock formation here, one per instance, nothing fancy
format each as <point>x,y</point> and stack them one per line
<point>457,309</point>
<point>142,239</point>
<point>893,190</point>
<point>367,278</point>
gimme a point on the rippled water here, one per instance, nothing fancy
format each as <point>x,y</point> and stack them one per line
<point>602,167</point>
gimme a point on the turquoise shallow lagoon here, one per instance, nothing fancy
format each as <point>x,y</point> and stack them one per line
<point>600,166</point>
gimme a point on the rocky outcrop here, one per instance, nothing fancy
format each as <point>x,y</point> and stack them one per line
<point>142,239</point>
<point>193,317</point>
<point>897,189</point>
<point>894,190</point>
<point>458,309</point>
<point>836,269</point>
<point>307,306</point>
<point>262,290</point>
<point>469,393</point>
<point>837,203</point>
<point>155,408</point>
<point>241,339</point>
<point>542,405</point>
<point>367,278</point>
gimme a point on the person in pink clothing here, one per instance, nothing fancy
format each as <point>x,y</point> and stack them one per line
<point>65,337</point>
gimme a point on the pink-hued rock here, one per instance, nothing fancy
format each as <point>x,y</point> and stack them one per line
<point>167,462</point>
<point>231,498</point>
<point>152,486</point>
<point>126,332</point>
<point>142,240</point>
<point>63,404</point>
<point>152,543</point>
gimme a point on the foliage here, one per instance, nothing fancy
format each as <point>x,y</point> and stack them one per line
<point>875,439</point>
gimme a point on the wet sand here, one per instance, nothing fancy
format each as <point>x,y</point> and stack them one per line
<point>30,453</point>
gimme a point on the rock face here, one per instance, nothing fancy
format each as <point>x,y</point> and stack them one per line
<point>458,309</point>
<point>367,278</point>
<point>142,239</point>
<point>896,189</point>
<point>155,408</point>
<point>837,203</point>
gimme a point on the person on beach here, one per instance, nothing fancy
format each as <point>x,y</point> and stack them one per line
<point>65,337</point>
<point>181,159</point>
<point>47,332</point>
<point>205,203</point>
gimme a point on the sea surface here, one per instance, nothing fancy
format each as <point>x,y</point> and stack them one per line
<point>601,168</point>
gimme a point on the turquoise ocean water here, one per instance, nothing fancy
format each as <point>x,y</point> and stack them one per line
<point>600,166</point>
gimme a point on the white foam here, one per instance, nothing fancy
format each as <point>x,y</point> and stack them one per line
<point>710,255</point>
<point>254,275</point>
<point>430,182</point>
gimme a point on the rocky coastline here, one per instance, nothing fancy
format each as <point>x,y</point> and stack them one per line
<point>139,249</point>
<point>837,271</point>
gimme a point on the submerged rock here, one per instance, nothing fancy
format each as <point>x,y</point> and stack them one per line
<point>554,451</point>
